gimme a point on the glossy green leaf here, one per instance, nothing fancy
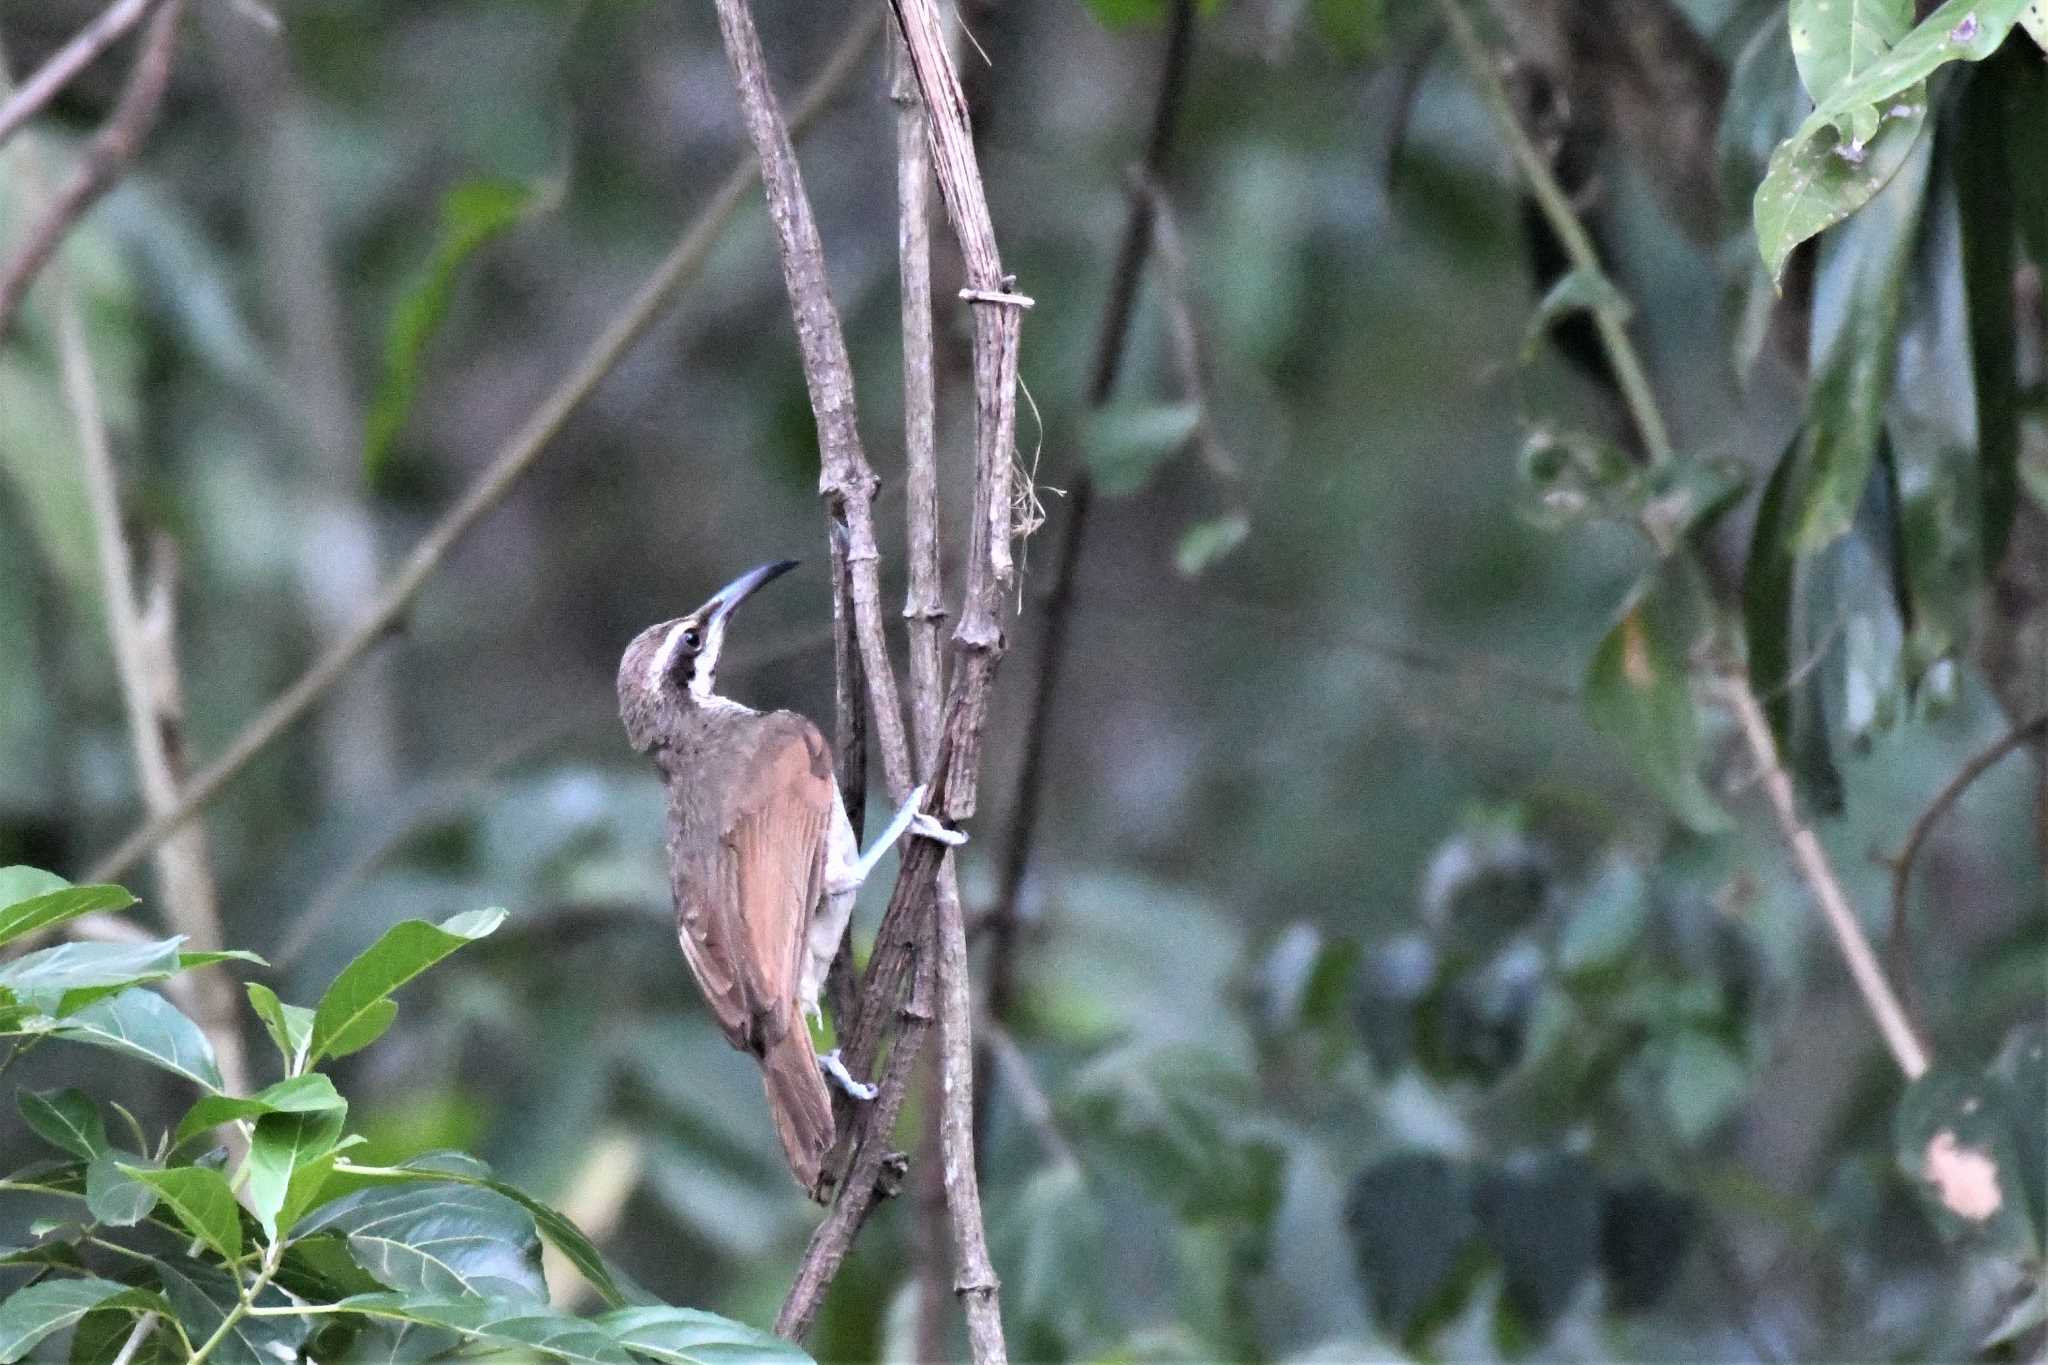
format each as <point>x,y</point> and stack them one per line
<point>1961,30</point>
<point>45,908</point>
<point>141,1023</point>
<point>1605,921</point>
<point>29,1315</point>
<point>688,1336</point>
<point>356,1009</point>
<point>441,1239</point>
<point>473,215</point>
<point>116,1197</point>
<point>289,1026</point>
<point>524,1326</point>
<point>439,1168</point>
<point>1701,1084</point>
<point>202,1297</point>
<point>45,976</point>
<point>311,1094</point>
<point>202,1200</point>
<point>1858,292</point>
<point>306,1189</point>
<point>1837,41</point>
<point>66,1119</point>
<point>1639,694</point>
<point>1814,181</point>
<point>281,1144</point>
<point>1126,441</point>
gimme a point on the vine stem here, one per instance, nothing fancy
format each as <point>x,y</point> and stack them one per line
<point>1564,221</point>
<point>1808,856</point>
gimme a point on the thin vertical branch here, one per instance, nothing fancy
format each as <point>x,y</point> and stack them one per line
<point>1878,997</point>
<point>145,664</point>
<point>845,480</point>
<point>106,156</point>
<point>1005,920</point>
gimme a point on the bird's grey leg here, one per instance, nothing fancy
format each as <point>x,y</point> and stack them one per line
<point>844,873</point>
<point>836,1071</point>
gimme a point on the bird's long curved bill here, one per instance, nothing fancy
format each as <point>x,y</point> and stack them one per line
<point>737,591</point>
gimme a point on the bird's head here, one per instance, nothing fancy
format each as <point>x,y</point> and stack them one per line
<point>670,666</point>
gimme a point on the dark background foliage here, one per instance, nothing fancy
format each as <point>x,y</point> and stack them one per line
<point>1388,989</point>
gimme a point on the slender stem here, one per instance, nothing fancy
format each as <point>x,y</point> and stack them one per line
<point>1809,858</point>
<point>1878,997</point>
<point>1899,940</point>
<point>1557,210</point>
<point>105,158</point>
<point>684,263</point>
<point>85,48</point>
<point>243,1306</point>
<point>144,1325</point>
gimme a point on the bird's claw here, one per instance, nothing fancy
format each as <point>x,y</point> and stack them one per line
<point>836,1069</point>
<point>930,828</point>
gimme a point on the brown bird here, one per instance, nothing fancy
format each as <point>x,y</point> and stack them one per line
<point>762,858</point>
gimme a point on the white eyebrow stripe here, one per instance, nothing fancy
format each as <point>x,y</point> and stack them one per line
<point>666,655</point>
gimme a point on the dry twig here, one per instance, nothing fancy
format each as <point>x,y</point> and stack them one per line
<point>85,48</point>
<point>681,266</point>
<point>106,156</point>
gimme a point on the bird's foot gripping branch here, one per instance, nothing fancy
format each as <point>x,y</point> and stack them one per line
<point>144,1233</point>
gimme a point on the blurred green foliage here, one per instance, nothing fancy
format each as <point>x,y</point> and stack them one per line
<point>1410,968</point>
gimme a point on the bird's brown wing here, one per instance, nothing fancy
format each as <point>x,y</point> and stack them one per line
<point>745,906</point>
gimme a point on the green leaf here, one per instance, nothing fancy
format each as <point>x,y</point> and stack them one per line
<point>289,1026</point>
<point>143,1024</point>
<point>202,1297</point>
<point>1606,921</point>
<point>1125,13</point>
<point>303,1192</point>
<point>1542,1218</point>
<point>1956,1141</point>
<point>1208,541</point>
<point>1702,1083</point>
<point>1814,182</point>
<point>115,1197</point>
<point>473,214</point>
<point>45,976</point>
<point>66,1119</point>
<point>191,961</point>
<point>442,1239</point>
<point>203,1202</point>
<point>1353,29</point>
<point>1576,291</point>
<point>1639,694</point>
<point>1126,441</point>
<point>19,882</point>
<point>311,1094</point>
<point>29,1315</point>
<point>520,1324</point>
<point>689,1336</point>
<point>1836,41</point>
<point>25,915</point>
<point>1858,292</point>
<point>1961,30</point>
<point>440,1168</point>
<point>1987,172</point>
<point>1411,1221</point>
<point>281,1144</point>
<point>1932,425</point>
<point>1054,1249</point>
<point>356,1009</point>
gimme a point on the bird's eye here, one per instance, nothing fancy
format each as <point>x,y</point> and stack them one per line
<point>692,641</point>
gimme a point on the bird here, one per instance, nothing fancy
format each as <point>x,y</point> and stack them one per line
<point>763,861</point>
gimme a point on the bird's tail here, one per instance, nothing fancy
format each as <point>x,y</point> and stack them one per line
<point>797,1098</point>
